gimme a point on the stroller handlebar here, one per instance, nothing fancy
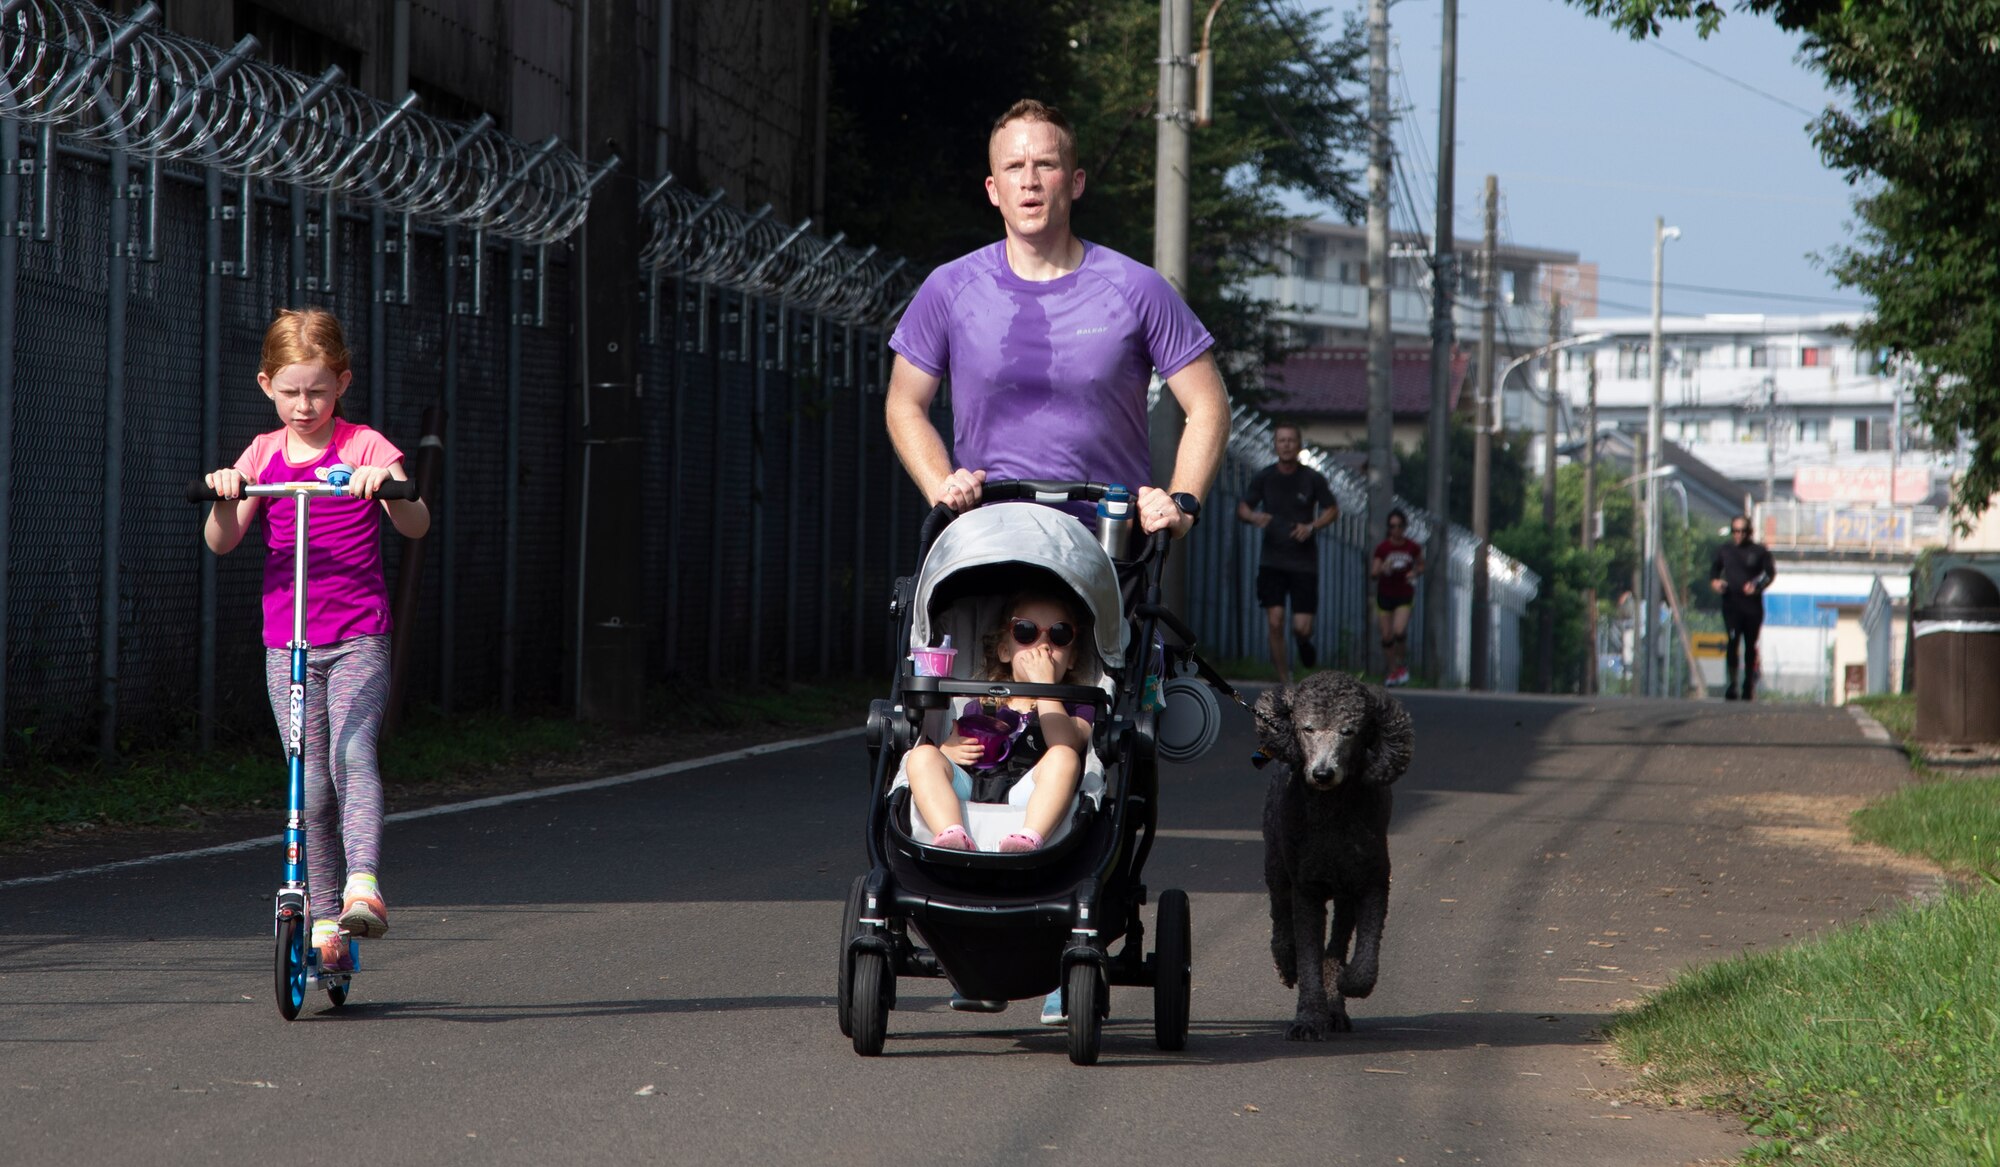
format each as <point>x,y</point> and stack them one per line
<point>1044,490</point>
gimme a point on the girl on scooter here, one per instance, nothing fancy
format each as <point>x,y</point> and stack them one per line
<point>305,370</point>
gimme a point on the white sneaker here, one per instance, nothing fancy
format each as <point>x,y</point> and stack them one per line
<point>1052,1011</point>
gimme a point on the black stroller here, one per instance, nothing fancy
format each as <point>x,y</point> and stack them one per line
<point>1006,927</point>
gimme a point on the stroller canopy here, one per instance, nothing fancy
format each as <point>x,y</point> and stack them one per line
<point>1037,536</point>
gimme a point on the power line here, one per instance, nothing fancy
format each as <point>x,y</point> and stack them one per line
<point>1734,291</point>
<point>1733,81</point>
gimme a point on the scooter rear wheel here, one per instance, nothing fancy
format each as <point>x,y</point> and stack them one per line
<point>290,966</point>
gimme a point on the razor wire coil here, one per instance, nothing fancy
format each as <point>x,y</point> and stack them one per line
<point>703,238</point>
<point>123,84</point>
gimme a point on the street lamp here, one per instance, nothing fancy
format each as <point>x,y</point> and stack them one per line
<point>1507,370</point>
<point>1654,439</point>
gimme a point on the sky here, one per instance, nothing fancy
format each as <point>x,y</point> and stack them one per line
<point>1592,135</point>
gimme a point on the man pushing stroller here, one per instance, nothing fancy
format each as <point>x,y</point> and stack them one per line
<point>1050,343</point>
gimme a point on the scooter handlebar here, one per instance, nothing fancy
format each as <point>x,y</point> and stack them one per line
<point>394,490</point>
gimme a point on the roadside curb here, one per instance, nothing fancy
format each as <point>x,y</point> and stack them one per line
<point>647,774</point>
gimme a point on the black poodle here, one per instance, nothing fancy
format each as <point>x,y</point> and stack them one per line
<point>1338,744</point>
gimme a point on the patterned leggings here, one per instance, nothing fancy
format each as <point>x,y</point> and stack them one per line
<point>347,687</point>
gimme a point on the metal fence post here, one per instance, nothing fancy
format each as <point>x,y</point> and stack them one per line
<point>114,452</point>
<point>510,486</point>
<point>754,316</point>
<point>791,497</point>
<point>676,430</point>
<point>859,507</point>
<point>448,512</point>
<point>11,230</point>
<point>825,495</point>
<point>716,516</point>
<point>211,438</point>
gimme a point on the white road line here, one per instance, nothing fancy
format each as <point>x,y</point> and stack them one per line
<point>452,808</point>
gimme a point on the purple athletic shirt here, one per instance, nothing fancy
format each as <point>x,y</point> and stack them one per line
<point>1048,380</point>
<point>345,592</point>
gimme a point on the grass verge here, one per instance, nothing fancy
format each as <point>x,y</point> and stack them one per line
<point>1872,1044</point>
<point>1952,819</point>
<point>176,785</point>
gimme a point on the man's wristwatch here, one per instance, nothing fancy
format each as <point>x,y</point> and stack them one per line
<point>1189,504</point>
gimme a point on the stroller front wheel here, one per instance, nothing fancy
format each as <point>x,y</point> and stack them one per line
<point>868,1009</point>
<point>1081,994</point>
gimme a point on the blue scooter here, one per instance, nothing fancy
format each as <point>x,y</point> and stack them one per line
<point>296,960</point>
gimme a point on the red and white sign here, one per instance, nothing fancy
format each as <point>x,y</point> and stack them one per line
<point>1861,484</point>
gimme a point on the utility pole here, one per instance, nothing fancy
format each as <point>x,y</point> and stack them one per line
<point>608,632</point>
<point>1482,451</point>
<point>1546,665</point>
<point>1771,447</point>
<point>1444,282</point>
<point>1170,239</point>
<point>1657,360</point>
<point>1589,538</point>
<point>1381,345</point>
<point>1641,572</point>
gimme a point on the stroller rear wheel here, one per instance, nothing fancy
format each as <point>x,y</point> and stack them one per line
<point>849,921</point>
<point>868,1007</point>
<point>1173,968</point>
<point>1081,998</point>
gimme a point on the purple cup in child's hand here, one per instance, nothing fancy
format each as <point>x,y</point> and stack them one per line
<point>995,737</point>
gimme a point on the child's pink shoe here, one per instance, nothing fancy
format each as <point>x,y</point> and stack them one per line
<point>954,838</point>
<point>1022,841</point>
<point>332,945</point>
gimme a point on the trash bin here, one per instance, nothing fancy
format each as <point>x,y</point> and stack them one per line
<point>1957,648</point>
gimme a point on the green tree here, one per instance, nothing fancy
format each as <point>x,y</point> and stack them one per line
<point>915,89</point>
<point>1556,555</point>
<point>1919,133</point>
<point>1509,475</point>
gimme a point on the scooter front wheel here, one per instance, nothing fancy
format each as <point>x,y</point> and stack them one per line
<point>290,966</point>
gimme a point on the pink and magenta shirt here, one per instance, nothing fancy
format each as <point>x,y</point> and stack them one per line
<point>346,594</point>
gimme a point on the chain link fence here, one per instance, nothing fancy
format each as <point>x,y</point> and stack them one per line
<point>160,198</point>
<point>1222,573</point>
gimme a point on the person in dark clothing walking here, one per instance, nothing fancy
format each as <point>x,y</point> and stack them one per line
<point>1742,570</point>
<point>1293,504</point>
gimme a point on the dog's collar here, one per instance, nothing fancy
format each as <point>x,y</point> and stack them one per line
<point>1260,759</point>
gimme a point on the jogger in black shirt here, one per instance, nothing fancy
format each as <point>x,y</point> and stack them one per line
<point>1740,573</point>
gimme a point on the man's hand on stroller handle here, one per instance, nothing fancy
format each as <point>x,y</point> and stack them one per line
<point>963,489</point>
<point>960,489</point>
<point>1159,512</point>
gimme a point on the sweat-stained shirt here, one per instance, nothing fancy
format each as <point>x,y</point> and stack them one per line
<point>1048,379</point>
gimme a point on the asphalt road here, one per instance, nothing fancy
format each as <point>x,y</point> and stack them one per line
<point>643,972</point>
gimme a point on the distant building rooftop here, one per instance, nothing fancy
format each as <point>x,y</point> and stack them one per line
<point>1333,382</point>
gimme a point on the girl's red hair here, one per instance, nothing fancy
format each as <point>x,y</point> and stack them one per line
<point>299,335</point>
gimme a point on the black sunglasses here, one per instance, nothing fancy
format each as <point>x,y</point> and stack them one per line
<point>1739,530</point>
<point>1027,632</point>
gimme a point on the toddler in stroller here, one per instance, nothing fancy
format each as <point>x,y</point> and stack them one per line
<point>1010,899</point>
<point>1017,751</point>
